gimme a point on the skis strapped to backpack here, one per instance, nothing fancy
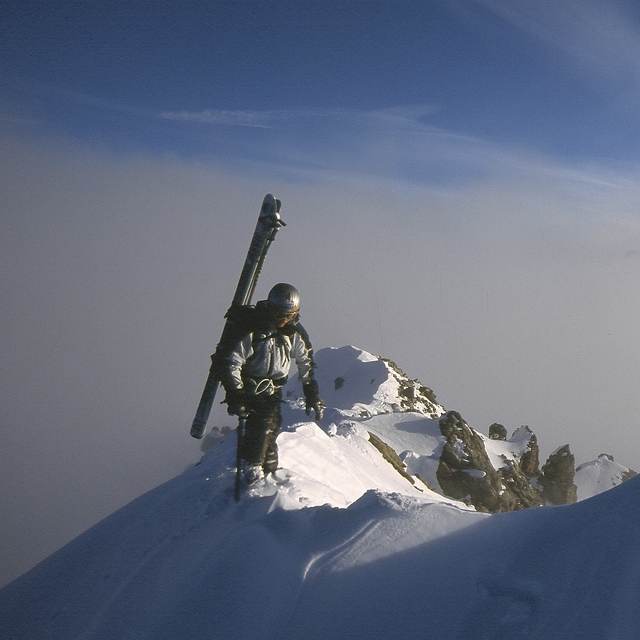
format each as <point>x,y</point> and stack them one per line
<point>268,224</point>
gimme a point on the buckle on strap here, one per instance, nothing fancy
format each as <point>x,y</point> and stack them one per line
<point>266,386</point>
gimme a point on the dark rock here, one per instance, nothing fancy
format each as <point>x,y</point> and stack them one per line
<point>556,477</point>
<point>530,459</point>
<point>414,396</point>
<point>497,432</point>
<point>519,474</point>
<point>518,490</point>
<point>390,456</point>
<point>465,471</point>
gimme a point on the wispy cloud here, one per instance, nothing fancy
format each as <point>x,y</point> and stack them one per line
<point>261,119</point>
<point>398,145</point>
<point>268,119</point>
<point>603,36</point>
<point>397,141</point>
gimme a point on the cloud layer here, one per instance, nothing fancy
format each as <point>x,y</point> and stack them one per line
<point>512,291</point>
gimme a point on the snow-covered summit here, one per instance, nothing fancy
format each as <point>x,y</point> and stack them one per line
<point>371,400</point>
<point>356,383</point>
<point>351,538</point>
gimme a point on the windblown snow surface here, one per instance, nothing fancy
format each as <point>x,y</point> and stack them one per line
<point>339,545</point>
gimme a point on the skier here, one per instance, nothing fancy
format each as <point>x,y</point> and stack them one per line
<point>254,367</point>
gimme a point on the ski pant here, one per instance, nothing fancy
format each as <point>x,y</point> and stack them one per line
<point>258,446</point>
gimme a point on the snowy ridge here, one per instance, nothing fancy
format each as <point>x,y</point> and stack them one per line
<point>358,384</point>
<point>338,544</point>
<point>600,475</point>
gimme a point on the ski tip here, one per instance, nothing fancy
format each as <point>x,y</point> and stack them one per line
<point>269,201</point>
<point>271,209</point>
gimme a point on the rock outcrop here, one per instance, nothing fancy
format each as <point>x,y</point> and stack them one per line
<point>556,477</point>
<point>413,395</point>
<point>466,473</point>
<point>492,473</point>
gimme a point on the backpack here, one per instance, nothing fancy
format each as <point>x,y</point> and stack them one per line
<point>241,320</point>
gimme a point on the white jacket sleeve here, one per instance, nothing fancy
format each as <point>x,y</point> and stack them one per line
<point>302,354</point>
<point>232,376</point>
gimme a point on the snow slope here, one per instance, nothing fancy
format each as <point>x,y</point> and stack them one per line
<point>337,545</point>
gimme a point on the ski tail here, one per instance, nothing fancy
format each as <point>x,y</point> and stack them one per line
<point>199,424</point>
<point>264,234</point>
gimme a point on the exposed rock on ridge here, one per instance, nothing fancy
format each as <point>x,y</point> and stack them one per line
<point>557,477</point>
<point>491,473</point>
<point>465,471</point>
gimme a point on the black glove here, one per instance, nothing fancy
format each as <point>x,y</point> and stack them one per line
<point>312,399</point>
<point>236,403</point>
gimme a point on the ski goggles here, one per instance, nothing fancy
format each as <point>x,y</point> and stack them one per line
<point>284,314</point>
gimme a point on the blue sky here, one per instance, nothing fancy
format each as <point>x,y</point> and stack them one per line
<point>224,79</point>
<point>460,183</point>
